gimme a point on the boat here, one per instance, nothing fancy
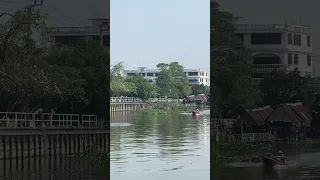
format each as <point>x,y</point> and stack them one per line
<point>270,161</point>
<point>195,113</point>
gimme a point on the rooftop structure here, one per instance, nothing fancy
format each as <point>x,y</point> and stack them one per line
<point>100,28</point>
<point>195,76</point>
<point>281,47</point>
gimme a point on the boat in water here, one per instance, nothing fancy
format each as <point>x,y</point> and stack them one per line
<point>271,161</point>
<point>195,113</point>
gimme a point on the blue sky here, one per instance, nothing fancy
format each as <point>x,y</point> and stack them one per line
<point>147,32</point>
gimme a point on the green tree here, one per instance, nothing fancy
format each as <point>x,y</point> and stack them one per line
<point>172,81</point>
<point>230,66</point>
<point>143,89</point>
<point>199,89</point>
<point>93,64</point>
<point>118,85</point>
<point>27,81</point>
<point>280,87</point>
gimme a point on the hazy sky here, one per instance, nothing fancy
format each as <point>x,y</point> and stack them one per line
<point>275,11</point>
<point>147,32</point>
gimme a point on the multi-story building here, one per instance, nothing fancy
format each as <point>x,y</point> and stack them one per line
<point>99,29</point>
<point>281,47</point>
<point>195,76</point>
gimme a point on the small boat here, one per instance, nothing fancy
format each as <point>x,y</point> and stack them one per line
<point>195,113</point>
<point>270,161</point>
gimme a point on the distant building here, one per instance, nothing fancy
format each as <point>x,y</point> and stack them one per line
<point>195,76</point>
<point>100,27</point>
<point>281,47</point>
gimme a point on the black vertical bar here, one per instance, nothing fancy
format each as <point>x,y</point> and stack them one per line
<point>50,144</point>
<point>4,145</point>
<point>70,143</point>
<point>40,145</point>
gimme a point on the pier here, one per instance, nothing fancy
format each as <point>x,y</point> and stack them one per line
<point>25,135</point>
<point>121,104</point>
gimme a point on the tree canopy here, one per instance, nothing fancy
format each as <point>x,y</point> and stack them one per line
<point>230,67</point>
<point>280,87</point>
<point>34,73</point>
<point>172,81</point>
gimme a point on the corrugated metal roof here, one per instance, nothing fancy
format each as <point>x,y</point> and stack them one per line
<point>296,112</point>
<point>260,115</point>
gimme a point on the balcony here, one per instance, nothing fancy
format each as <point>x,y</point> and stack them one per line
<point>76,30</point>
<point>270,67</point>
<point>293,28</point>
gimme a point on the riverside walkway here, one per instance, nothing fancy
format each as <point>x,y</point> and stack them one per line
<point>118,104</point>
<point>29,134</point>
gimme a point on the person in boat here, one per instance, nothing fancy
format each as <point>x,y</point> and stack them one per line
<point>280,156</point>
<point>197,111</point>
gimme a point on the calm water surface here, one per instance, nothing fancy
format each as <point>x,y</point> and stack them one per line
<point>68,168</point>
<point>305,166</point>
<point>164,147</point>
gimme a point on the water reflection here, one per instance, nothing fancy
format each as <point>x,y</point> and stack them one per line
<point>169,147</point>
<point>52,168</point>
<point>305,166</point>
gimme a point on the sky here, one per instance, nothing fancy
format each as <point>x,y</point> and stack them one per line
<point>147,32</point>
<point>275,11</point>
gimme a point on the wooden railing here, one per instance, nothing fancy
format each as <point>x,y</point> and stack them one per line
<point>253,137</point>
<point>47,120</point>
<point>136,100</point>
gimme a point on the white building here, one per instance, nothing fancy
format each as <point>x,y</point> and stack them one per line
<point>195,76</point>
<point>99,29</point>
<point>283,47</point>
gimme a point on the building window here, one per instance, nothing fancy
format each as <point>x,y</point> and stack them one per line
<point>308,40</point>
<point>143,74</point>
<point>149,74</point>
<point>156,74</point>
<point>289,58</point>
<point>266,38</point>
<point>297,39</point>
<point>193,73</point>
<point>289,38</point>
<point>150,80</point>
<point>131,74</point>
<point>308,60</point>
<point>296,59</point>
<point>193,80</point>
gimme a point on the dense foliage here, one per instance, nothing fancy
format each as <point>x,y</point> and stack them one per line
<point>34,74</point>
<point>230,69</point>
<point>171,82</point>
<point>233,88</point>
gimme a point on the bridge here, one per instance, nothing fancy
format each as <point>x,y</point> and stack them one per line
<point>132,103</point>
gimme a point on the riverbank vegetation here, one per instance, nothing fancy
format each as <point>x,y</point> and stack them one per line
<point>232,84</point>
<point>235,90</point>
<point>34,74</point>
<point>171,82</point>
<point>228,152</point>
<point>165,110</point>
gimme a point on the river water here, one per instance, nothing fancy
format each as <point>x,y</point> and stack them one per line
<point>304,164</point>
<point>160,147</point>
<point>50,168</point>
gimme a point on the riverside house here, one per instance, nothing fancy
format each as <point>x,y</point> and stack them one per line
<point>290,121</point>
<point>253,120</point>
